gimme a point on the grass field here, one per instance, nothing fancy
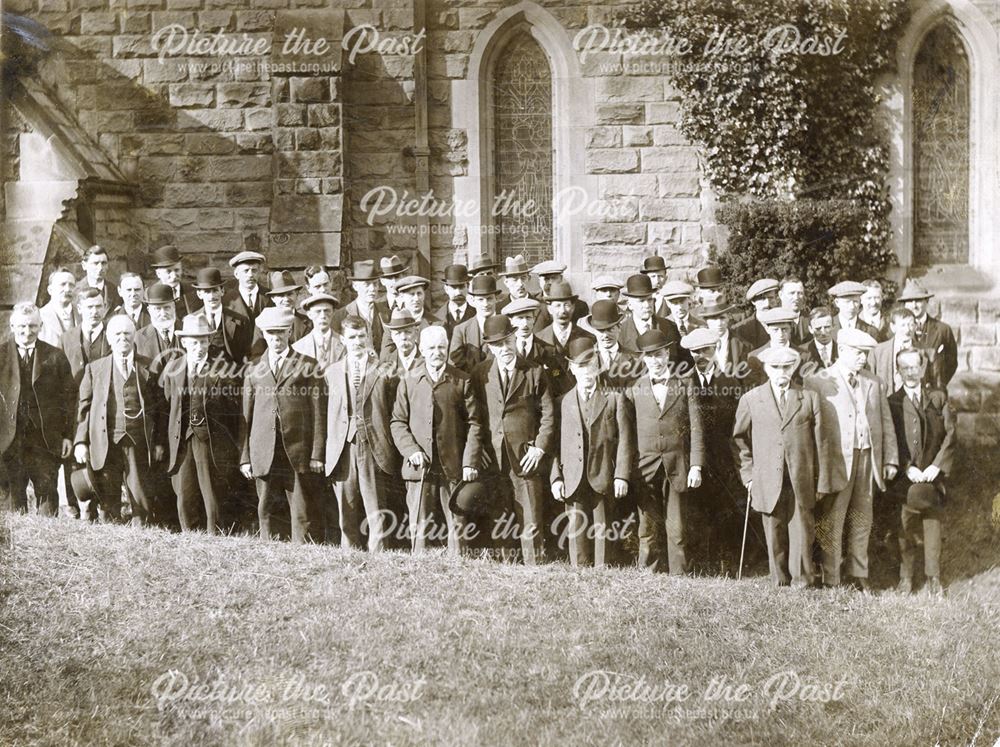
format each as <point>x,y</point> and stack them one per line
<point>119,635</point>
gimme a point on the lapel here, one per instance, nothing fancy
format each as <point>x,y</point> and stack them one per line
<point>36,363</point>
<point>516,380</point>
<point>289,366</point>
<point>369,378</point>
<point>793,401</point>
<point>673,394</point>
<point>571,411</point>
<point>12,373</point>
<point>597,405</point>
<point>494,390</point>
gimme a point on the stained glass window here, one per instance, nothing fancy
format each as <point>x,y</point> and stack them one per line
<point>522,150</point>
<point>941,149</point>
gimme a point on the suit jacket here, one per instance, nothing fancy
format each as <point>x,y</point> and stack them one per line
<point>558,368</point>
<point>738,350</point>
<point>810,361</point>
<point>189,303</point>
<point>837,443</point>
<point>233,301</point>
<point>883,332</point>
<point>54,392</point>
<point>924,435</point>
<point>72,345</point>
<point>301,326</point>
<point>240,339</point>
<point>93,428</point>
<point>111,298</point>
<point>52,325</point>
<point>376,330</point>
<point>442,420</point>
<point>772,445</point>
<point>623,370</point>
<point>294,404</point>
<point>751,331</point>
<point>149,344</point>
<point>717,404</point>
<point>682,355</point>
<point>596,450</point>
<point>882,363</point>
<point>306,345</point>
<point>222,410</point>
<point>449,323</point>
<point>376,401</point>
<point>861,324</point>
<point>938,337</point>
<point>466,350</point>
<point>390,364</point>
<point>673,436</point>
<point>629,335</point>
<point>427,320</point>
<point>141,322</point>
<point>523,417</point>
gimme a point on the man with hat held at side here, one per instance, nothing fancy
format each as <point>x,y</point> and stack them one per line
<point>560,333</point>
<point>466,349</point>
<point>640,302</point>
<point>671,451</point>
<point>930,333</point>
<point>247,298</point>
<point>515,276</point>
<point>925,435</point>
<point>457,308</point>
<point>549,273</point>
<point>619,366</point>
<point>763,294</point>
<point>846,297</point>
<point>158,341</point>
<point>593,463</point>
<point>778,432</point>
<point>519,415</point>
<point>201,422</point>
<point>364,279</point>
<point>437,429</point>
<point>858,449</point>
<point>169,268</point>
<point>321,342</point>
<point>232,333</point>
<point>283,430</point>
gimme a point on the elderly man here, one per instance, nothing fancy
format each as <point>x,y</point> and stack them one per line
<point>392,270</point>
<point>158,341</point>
<point>95,267</point>
<point>792,296</point>
<point>131,291</point>
<point>401,357</point>
<point>202,425</point>
<point>821,351</point>
<point>36,414</point>
<point>232,332</point>
<point>247,299</point>
<point>871,309</point>
<point>847,304</point>
<point>858,448</point>
<point>778,430</point>
<point>593,463</point>
<point>364,279</point>
<point>283,430</point>
<point>361,459</point>
<point>466,351</point>
<point>457,308</point>
<point>731,352</point>
<point>321,342</point>
<point>671,451</point>
<point>59,314</point>
<point>437,429</point>
<point>169,268</point>
<point>518,414</point>
<point>120,409</point>
<point>931,334</point>
<point>763,294</point>
<point>411,294</point>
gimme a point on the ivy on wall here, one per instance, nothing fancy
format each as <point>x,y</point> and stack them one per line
<point>783,97</point>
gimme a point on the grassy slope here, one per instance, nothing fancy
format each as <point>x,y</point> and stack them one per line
<point>93,615</point>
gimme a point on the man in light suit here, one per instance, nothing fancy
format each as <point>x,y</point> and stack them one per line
<point>778,429</point>
<point>283,430</point>
<point>518,413</point>
<point>118,417</point>
<point>903,326</point>
<point>59,314</point>
<point>36,414</point>
<point>858,449</point>
<point>593,465</point>
<point>437,429</point>
<point>466,351</point>
<point>931,333</point>
<point>321,342</point>
<point>671,451</point>
<point>361,459</point>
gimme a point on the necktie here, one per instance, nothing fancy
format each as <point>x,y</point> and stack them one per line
<point>25,354</point>
<point>852,379</point>
<point>164,337</point>
<point>356,376</point>
<point>682,326</point>
<point>781,401</point>
<point>522,348</point>
<point>915,399</point>
<point>586,395</point>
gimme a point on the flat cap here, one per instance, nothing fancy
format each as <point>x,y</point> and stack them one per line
<point>698,338</point>
<point>410,282</point>
<point>319,298</point>
<point>273,318</point>
<point>246,256</point>
<point>761,288</point>
<point>520,306</point>
<point>855,338</point>
<point>846,289</point>
<point>549,267</point>
<point>606,281</point>
<point>783,356</point>
<point>676,289</point>
<point>778,316</point>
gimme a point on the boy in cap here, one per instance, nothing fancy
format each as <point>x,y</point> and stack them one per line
<point>283,430</point>
<point>931,333</point>
<point>925,434</point>
<point>778,430</point>
<point>593,463</point>
<point>858,449</point>
<point>763,294</point>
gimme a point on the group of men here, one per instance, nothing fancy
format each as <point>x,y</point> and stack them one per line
<point>500,409</point>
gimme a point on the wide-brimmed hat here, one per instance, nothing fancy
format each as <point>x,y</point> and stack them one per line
<point>246,256</point>
<point>195,325</point>
<point>483,285</point>
<point>514,266</point>
<point>205,279</point>
<point>654,263</point>
<point>165,256</point>
<point>364,270</point>
<point>497,328</point>
<point>84,483</point>
<point>159,294</point>
<point>481,264</point>
<point>471,499</point>
<point>392,266</point>
<point>310,301</point>
<point>913,291</point>
<point>605,314</point>
<point>708,277</point>
<point>652,341</point>
<point>401,319</point>
<point>638,286</point>
<point>456,275</point>
<point>560,290</point>
<point>283,282</point>
<point>274,318</point>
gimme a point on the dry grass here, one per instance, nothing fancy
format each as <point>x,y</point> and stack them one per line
<point>92,616</point>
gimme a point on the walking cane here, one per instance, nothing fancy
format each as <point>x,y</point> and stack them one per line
<point>743,545</point>
<point>418,526</point>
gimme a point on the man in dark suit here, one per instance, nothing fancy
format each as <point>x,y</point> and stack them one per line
<point>792,296</point>
<point>284,293</point>
<point>86,342</point>
<point>361,459</point>
<point>925,434</point>
<point>605,287</point>
<point>549,273</point>
<point>232,332</point>
<point>779,323</point>
<point>411,295</point>
<point>364,280</point>
<point>593,464</point>
<point>639,300</point>
<point>516,277</point>
<point>131,291</point>
<point>671,452</point>
<point>437,429</point>
<point>731,351</point>
<point>95,267</point>
<point>457,308</point>
<point>846,297</point>
<point>882,362</point>
<point>872,311</point>
<point>466,351</point>
<point>159,342</point>
<point>519,415</point>
<point>654,267</point>
<point>763,294</point>
<point>120,408</point>
<point>36,414</point>
<point>821,351</point>
<point>392,270</point>
<point>169,268</point>
<point>619,366</point>
<point>778,431</point>
<point>560,333</point>
<point>709,291</point>
<point>522,315</point>
<point>284,429</point>
<point>248,298</point>
<point>677,300</point>
<point>931,333</point>
<point>202,425</point>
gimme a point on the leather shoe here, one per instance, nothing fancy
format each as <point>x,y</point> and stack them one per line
<point>905,586</point>
<point>934,587</point>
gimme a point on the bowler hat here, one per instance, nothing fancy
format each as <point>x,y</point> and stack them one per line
<point>604,314</point>
<point>165,256</point>
<point>560,290</point>
<point>497,328</point>
<point>653,340</point>
<point>456,275</point>
<point>401,319</point>
<point>195,325</point>
<point>159,294</point>
<point>654,263</point>
<point>84,483</point>
<point>581,350</point>
<point>514,266</point>
<point>470,499</point>
<point>638,286</point>
<point>709,277</point>
<point>392,266</point>
<point>922,496</point>
<point>364,270</point>
<point>205,279</point>
<point>283,282</point>
<point>913,291</point>
<point>483,285</point>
